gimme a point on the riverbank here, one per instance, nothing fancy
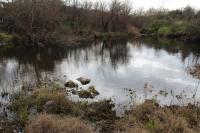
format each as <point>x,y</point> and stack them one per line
<point>65,39</point>
<point>50,110</point>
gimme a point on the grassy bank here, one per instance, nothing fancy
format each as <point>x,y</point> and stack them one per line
<point>52,111</point>
<point>97,114</point>
<point>149,117</point>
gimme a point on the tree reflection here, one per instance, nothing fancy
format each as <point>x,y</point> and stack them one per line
<point>33,64</point>
<point>173,47</point>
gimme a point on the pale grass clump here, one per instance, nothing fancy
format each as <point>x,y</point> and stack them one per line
<point>150,117</point>
<point>45,123</point>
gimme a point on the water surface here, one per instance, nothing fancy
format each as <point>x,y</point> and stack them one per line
<point>149,68</point>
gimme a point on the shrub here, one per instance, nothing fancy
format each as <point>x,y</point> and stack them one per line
<point>194,30</point>
<point>164,31</point>
<point>156,25</point>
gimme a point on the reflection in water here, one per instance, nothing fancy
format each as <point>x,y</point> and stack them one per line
<point>147,67</point>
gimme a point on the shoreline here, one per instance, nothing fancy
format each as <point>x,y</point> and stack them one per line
<point>52,105</point>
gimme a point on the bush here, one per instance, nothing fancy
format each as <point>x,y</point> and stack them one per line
<point>164,31</point>
<point>193,29</point>
<point>155,26</point>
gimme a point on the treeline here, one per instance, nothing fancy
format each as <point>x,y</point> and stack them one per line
<point>47,19</point>
<point>51,20</point>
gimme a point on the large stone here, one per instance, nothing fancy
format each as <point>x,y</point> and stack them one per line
<point>71,84</point>
<point>49,106</point>
<point>91,92</point>
<point>84,81</point>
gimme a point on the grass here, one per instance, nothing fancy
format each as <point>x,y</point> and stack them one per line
<point>65,115</point>
<point>149,117</point>
<point>22,104</point>
<point>45,123</point>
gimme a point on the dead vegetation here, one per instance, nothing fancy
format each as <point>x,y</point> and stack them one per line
<point>55,112</point>
<point>45,123</point>
<point>56,102</point>
<point>150,117</point>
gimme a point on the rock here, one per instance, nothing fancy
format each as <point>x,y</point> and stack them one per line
<point>84,81</point>
<point>71,84</point>
<point>85,94</point>
<point>49,105</point>
<point>91,92</point>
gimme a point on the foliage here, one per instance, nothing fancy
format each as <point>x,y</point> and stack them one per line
<point>164,31</point>
<point>156,25</point>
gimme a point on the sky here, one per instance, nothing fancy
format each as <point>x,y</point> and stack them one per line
<point>170,4</point>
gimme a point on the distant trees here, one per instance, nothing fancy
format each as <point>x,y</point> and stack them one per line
<point>31,17</point>
<point>44,19</point>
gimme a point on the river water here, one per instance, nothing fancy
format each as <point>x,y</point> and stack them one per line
<point>124,71</point>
